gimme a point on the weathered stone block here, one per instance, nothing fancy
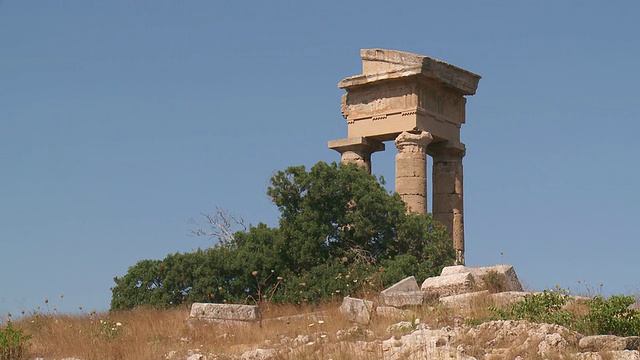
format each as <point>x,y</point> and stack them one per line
<point>447,201</point>
<point>225,311</point>
<point>391,312</point>
<point>456,269</point>
<point>447,285</point>
<point>411,167</point>
<point>509,297</point>
<point>356,310</point>
<point>506,272</point>
<point>400,299</point>
<point>609,343</point>
<point>444,182</point>
<point>403,293</point>
<point>411,185</point>
<point>463,301</point>
<point>405,285</point>
<point>415,202</point>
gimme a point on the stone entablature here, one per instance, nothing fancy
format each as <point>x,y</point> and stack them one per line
<point>419,102</point>
<point>400,91</point>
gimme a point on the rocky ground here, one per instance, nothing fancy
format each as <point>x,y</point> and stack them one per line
<point>491,340</point>
<point>389,327</point>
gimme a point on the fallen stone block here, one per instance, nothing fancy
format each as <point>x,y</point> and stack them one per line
<point>464,301</point>
<point>225,312</point>
<point>609,355</point>
<point>356,310</point>
<point>403,293</point>
<point>392,312</point>
<point>401,299</point>
<point>456,269</point>
<point>193,323</point>
<point>509,297</point>
<point>405,285</point>
<point>503,298</point>
<point>506,275</point>
<point>609,343</point>
<point>447,285</point>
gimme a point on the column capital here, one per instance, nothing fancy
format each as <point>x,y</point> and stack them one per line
<point>408,142</point>
<point>447,149</point>
<point>356,150</point>
<point>356,143</point>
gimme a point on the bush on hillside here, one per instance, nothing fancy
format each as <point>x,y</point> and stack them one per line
<point>340,233</point>
<point>610,316</point>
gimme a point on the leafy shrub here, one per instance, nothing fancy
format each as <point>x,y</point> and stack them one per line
<point>13,343</point>
<point>611,316</point>
<point>546,307</point>
<point>605,316</point>
<point>340,233</point>
<point>329,281</point>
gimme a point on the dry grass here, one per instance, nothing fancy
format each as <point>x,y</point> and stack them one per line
<point>151,334</point>
<point>311,331</point>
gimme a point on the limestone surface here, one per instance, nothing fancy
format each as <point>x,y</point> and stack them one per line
<point>403,293</point>
<point>356,310</point>
<point>505,272</point>
<point>609,342</point>
<point>424,344</point>
<point>447,285</point>
<point>225,312</point>
<point>391,312</point>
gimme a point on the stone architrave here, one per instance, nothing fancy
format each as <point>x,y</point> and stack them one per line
<point>356,310</point>
<point>411,169</point>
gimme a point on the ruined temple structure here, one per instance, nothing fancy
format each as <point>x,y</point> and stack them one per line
<point>419,103</point>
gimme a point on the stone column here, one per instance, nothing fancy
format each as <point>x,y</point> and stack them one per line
<point>447,194</point>
<point>356,150</point>
<point>411,169</point>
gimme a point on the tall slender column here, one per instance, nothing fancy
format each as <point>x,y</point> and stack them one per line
<point>411,169</point>
<point>447,195</point>
<point>356,150</point>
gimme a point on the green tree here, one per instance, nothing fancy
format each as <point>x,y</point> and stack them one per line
<point>340,232</point>
<point>334,211</point>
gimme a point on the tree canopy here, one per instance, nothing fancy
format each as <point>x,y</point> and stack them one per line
<point>340,233</point>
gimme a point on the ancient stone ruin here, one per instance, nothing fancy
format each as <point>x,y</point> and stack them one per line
<point>419,103</point>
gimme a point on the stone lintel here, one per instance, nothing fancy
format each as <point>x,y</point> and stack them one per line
<point>382,64</point>
<point>354,143</point>
<point>449,147</point>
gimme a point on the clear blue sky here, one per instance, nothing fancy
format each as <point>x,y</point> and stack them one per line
<point>119,120</point>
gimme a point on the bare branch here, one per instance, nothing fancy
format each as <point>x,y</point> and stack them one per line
<point>222,224</point>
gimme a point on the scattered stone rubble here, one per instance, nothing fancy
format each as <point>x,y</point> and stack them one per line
<point>504,339</point>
